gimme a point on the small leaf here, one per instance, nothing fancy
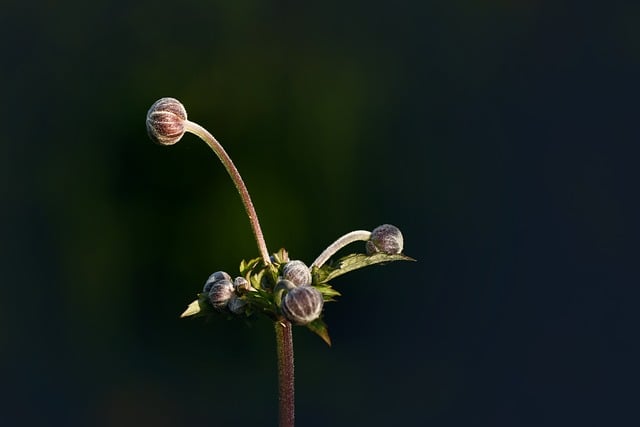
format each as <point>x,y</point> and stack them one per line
<point>353,262</point>
<point>281,256</point>
<point>327,292</point>
<point>247,266</point>
<point>199,307</point>
<point>320,328</point>
<point>192,309</point>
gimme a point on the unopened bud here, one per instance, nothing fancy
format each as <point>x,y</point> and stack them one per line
<point>297,272</point>
<point>165,121</point>
<point>215,277</point>
<point>242,285</point>
<point>236,305</point>
<point>302,305</point>
<point>387,239</point>
<point>220,293</point>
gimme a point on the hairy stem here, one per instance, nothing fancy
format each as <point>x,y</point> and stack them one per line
<point>343,241</point>
<point>217,148</point>
<point>284,348</point>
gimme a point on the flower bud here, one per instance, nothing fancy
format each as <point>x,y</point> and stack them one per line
<point>387,239</point>
<point>281,288</point>
<point>302,305</point>
<point>220,293</point>
<point>297,272</point>
<point>242,285</point>
<point>165,121</point>
<point>236,305</point>
<point>215,277</point>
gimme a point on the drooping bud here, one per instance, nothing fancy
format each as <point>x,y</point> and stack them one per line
<point>215,277</point>
<point>297,272</point>
<point>385,238</point>
<point>220,293</point>
<point>302,305</point>
<point>165,121</point>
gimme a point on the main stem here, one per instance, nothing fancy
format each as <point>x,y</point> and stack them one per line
<point>284,337</point>
<point>284,348</point>
<point>217,148</point>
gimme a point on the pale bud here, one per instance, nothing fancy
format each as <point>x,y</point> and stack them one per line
<point>297,272</point>
<point>165,121</point>
<point>302,305</point>
<point>387,239</point>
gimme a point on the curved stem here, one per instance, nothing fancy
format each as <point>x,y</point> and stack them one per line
<point>343,241</point>
<point>284,348</point>
<point>217,148</point>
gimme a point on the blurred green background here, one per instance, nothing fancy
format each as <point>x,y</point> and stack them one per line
<point>498,135</point>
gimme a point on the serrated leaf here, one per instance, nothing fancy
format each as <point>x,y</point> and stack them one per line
<point>247,266</point>
<point>319,328</point>
<point>281,256</point>
<point>353,262</point>
<point>327,292</point>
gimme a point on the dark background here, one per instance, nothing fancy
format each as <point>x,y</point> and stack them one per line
<point>499,135</point>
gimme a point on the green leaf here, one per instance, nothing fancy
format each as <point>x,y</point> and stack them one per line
<point>319,328</point>
<point>281,256</point>
<point>353,262</point>
<point>193,308</point>
<point>327,292</point>
<point>247,266</point>
<point>199,307</point>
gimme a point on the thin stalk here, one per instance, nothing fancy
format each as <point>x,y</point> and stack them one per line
<point>343,241</point>
<point>217,148</point>
<point>284,348</point>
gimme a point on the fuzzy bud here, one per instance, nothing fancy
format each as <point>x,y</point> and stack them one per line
<point>297,272</point>
<point>302,305</point>
<point>281,288</point>
<point>236,305</point>
<point>215,277</point>
<point>165,121</point>
<point>220,293</point>
<point>385,238</point>
<point>242,285</point>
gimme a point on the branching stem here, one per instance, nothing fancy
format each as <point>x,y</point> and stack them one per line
<point>343,241</point>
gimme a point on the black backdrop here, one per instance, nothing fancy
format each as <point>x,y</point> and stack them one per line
<point>500,136</point>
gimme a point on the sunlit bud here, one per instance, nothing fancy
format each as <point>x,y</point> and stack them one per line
<point>302,305</point>
<point>387,239</point>
<point>297,272</point>
<point>215,277</point>
<point>165,121</point>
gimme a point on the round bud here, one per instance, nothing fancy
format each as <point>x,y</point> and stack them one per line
<point>302,305</point>
<point>236,305</point>
<point>281,288</point>
<point>242,285</point>
<point>220,293</point>
<point>165,121</point>
<point>297,272</point>
<point>387,239</point>
<point>215,277</point>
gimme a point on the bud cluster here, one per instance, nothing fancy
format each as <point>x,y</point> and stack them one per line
<point>272,285</point>
<point>224,293</point>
